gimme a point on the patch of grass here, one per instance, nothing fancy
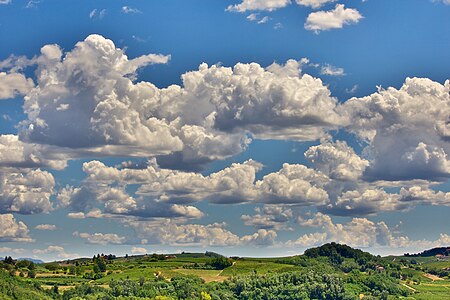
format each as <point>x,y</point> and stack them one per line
<point>248,266</point>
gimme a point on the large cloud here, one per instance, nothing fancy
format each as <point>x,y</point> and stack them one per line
<point>407,130</point>
<point>165,193</point>
<point>15,153</point>
<point>276,102</point>
<point>74,100</point>
<point>294,184</point>
<point>26,191</point>
<point>24,188</point>
<point>359,232</point>
<point>171,233</point>
<point>337,160</point>
<point>279,103</point>
<point>269,217</point>
<point>332,19</point>
<point>104,201</point>
<point>101,238</point>
<point>366,201</point>
<point>86,102</point>
<point>13,231</point>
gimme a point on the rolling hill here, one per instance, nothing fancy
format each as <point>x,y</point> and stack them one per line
<point>331,271</point>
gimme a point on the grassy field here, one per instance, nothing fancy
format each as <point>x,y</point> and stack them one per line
<point>437,290</point>
<point>258,266</point>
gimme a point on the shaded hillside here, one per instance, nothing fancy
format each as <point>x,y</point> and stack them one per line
<point>432,252</point>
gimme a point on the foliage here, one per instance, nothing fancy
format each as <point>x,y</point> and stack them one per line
<point>220,263</point>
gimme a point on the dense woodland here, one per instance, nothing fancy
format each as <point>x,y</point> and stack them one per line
<point>332,271</point>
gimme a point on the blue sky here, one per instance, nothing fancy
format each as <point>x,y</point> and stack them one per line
<point>257,152</point>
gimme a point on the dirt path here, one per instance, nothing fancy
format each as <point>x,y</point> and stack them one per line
<point>220,273</point>
<point>432,277</point>
<point>407,286</point>
<point>60,287</point>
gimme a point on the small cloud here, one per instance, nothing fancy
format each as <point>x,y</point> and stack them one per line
<point>304,61</point>
<point>97,14</point>
<point>49,227</point>
<point>138,250</point>
<point>254,17</point>
<point>332,19</point>
<point>138,39</point>
<point>77,215</point>
<point>130,10</point>
<point>102,14</point>
<point>92,13</point>
<point>314,3</point>
<point>330,70</point>
<point>278,26</point>
<point>59,251</point>
<point>32,4</point>
<point>5,1</point>
<point>352,90</point>
<point>264,20</point>
<point>6,117</point>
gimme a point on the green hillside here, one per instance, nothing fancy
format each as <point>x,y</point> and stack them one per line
<point>331,271</point>
<point>13,288</point>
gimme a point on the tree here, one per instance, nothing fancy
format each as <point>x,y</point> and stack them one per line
<point>96,269</point>
<point>220,263</point>
<point>72,270</point>
<point>99,265</point>
<point>8,260</point>
<point>32,274</point>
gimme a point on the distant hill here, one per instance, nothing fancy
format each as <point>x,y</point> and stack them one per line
<point>36,261</point>
<point>333,249</point>
<point>431,252</point>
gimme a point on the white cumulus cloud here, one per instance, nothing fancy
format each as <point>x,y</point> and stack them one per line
<point>12,230</point>
<point>332,19</point>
